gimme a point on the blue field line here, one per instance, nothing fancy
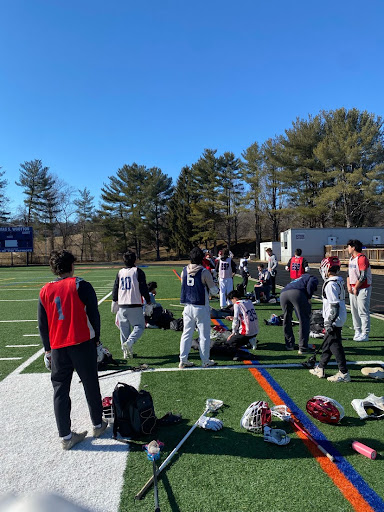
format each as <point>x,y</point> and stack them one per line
<point>375,501</point>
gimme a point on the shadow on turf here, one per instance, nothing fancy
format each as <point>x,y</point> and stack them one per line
<point>345,446</point>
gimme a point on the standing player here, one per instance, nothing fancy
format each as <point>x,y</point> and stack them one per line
<point>196,284</point>
<point>335,315</point>
<point>359,283</point>
<point>243,267</point>
<point>69,326</point>
<point>272,269</point>
<point>297,265</point>
<point>128,291</point>
<point>225,267</point>
<point>245,325</point>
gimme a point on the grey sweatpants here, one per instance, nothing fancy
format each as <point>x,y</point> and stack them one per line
<point>131,323</point>
<point>360,310</point>
<point>296,300</point>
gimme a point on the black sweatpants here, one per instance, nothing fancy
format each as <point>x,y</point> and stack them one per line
<point>83,358</point>
<point>244,275</point>
<point>295,300</point>
<point>333,345</point>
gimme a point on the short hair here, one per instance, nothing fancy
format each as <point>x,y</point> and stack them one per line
<point>356,244</point>
<point>268,250</point>
<point>129,258</point>
<point>234,294</point>
<point>152,285</point>
<point>61,262</point>
<point>335,269</point>
<point>246,255</point>
<point>225,253</point>
<point>196,256</point>
<point>261,265</point>
<point>298,252</point>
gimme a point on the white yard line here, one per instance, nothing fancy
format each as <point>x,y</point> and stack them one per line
<point>21,346</point>
<point>103,299</point>
<point>18,300</point>
<point>16,321</point>
<point>10,358</point>
<point>31,335</point>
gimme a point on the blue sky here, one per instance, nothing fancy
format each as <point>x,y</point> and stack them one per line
<point>87,86</point>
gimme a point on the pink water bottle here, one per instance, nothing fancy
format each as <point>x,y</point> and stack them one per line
<point>364,450</point>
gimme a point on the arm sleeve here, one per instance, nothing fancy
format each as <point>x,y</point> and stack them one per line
<point>312,285</point>
<point>88,295</point>
<point>288,265</point>
<point>42,320</point>
<point>235,321</point>
<point>273,262</point>
<point>143,285</point>
<point>362,276</point>
<point>233,266</point>
<point>333,314</point>
<point>115,291</point>
<point>207,279</point>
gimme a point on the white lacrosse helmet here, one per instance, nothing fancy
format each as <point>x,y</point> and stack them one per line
<point>326,264</point>
<point>257,415</point>
<point>108,409</point>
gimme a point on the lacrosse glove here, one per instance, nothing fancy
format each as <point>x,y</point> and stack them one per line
<point>114,307</point>
<point>210,423</point>
<point>47,360</point>
<point>148,309</point>
<point>276,436</point>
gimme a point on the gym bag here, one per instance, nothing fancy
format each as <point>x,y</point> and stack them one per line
<point>134,414</point>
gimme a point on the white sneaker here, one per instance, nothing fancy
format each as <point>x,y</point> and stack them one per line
<point>67,444</point>
<point>253,342</point>
<point>186,364</point>
<point>318,372</point>
<point>357,335</point>
<point>209,363</point>
<point>340,377</point>
<point>363,337</point>
<point>127,351</point>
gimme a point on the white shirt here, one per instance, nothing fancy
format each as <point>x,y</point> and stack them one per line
<point>334,293</point>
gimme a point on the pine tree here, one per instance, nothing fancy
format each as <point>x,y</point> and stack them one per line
<point>4,214</point>
<point>85,211</point>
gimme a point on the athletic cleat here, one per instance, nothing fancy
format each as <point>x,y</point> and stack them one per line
<point>209,363</point>
<point>289,347</point>
<point>362,337</point>
<point>97,431</point>
<point>253,342</point>
<point>357,335</point>
<point>76,438</point>
<point>127,351</point>
<point>302,350</point>
<point>318,372</point>
<point>340,377</point>
<point>186,364</point>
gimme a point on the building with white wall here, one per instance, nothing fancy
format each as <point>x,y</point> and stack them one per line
<point>275,246</point>
<point>312,241</point>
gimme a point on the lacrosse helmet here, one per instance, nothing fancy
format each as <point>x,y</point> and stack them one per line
<point>325,409</point>
<point>257,415</point>
<point>326,264</point>
<point>108,409</point>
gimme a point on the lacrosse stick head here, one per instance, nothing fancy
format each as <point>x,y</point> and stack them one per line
<point>281,412</point>
<point>325,409</point>
<point>212,404</point>
<point>108,409</point>
<point>153,449</point>
<point>257,416</point>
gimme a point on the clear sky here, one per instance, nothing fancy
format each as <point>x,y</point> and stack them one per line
<point>87,86</point>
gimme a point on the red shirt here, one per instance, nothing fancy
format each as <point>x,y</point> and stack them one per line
<point>68,322</point>
<point>296,268</point>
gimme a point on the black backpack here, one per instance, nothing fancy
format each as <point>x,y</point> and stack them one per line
<point>134,414</point>
<point>176,324</point>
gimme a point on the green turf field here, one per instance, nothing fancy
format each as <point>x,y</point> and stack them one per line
<point>230,470</point>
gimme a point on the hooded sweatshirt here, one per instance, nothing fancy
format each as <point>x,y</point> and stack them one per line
<point>196,285</point>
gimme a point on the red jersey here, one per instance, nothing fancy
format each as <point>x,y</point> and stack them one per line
<point>68,322</point>
<point>296,269</point>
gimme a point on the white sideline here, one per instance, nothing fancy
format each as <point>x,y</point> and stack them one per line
<point>22,346</point>
<point>32,459</point>
<point>16,321</point>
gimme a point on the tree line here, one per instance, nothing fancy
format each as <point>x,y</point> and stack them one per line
<point>325,170</point>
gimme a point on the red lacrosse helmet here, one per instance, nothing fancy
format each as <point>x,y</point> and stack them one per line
<point>327,263</point>
<point>108,409</point>
<point>325,409</point>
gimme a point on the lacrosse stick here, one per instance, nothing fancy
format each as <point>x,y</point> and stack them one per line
<point>211,405</point>
<point>153,454</point>
<point>281,412</point>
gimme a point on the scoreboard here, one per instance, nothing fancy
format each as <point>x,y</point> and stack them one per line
<point>16,239</point>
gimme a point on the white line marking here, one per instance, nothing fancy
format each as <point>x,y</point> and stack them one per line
<point>21,346</point>
<point>9,358</point>
<point>26,363</point>
<point>13,321</point>
<point>31,334</point>
<point>103,299</point>
<point>17,300</point>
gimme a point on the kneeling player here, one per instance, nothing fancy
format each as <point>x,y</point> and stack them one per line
<point>335,315</point>
<point>245,325</point>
